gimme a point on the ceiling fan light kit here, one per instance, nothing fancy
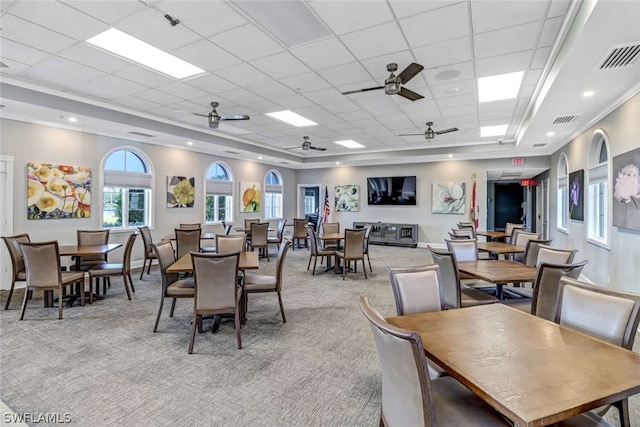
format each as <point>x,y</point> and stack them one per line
<point>215,118</point>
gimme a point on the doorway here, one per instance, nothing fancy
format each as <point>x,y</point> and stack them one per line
<point>309,202</point>
<point>6,217</point>
<point>509,200</point>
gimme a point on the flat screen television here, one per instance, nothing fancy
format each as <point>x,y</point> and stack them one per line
<point>392,190</point>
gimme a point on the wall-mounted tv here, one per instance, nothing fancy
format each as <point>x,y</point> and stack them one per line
<point>392,190</point>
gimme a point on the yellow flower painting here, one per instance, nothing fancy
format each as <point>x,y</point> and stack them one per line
<point>250,197</point>
<point>181,192</point>
<point>58,191</point>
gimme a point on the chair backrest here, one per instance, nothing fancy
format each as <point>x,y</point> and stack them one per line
<point>92,237</point>
<point>227,229</point>
<point>248,222</point>
<point>259,233</point>
<point>531,249</point>
<point>456,237</point>
<point>313,240</point>
<point>465,232</point>
<point>13,246</point>
<point>230,243</point>
<point>280,230</point>
<point>464,250</point>
<point>546,288</point>
<point>470,225</point>
<point>406,386</point>
<point>603,313</point>
<point>520,238</point>
<point>555,255</point>
<point>300,228</point>
<point>449,277</point>
<point>367,233</point>
<point>187,240</point>
<point>353,243</point>
<point>190,226</point>
<point>215,277</point>
<point>128,248</point>
<point>42,264</point>
<point>282,254</point>
<point>166,256</point>
<point>331,227</point>
<point>147,240</point>
<point>508,228</point>
<point>416,289</point>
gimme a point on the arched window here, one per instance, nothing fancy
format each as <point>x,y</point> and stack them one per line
<point>126,190</point>
<point>219,193</point>
<point>563,195</point>
<point>273,190</point>
<point>598,201</point>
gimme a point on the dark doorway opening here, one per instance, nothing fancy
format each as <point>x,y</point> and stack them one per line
<point>508,204</point>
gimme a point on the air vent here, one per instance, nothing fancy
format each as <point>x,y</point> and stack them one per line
<point>3,65</point>
<point>133,132</point>
<point>621,57</point>
<point>510,174</point>
<point>284,163</point>
<point>231,152</point>
<point>542,144</point>
<point>563,120</point>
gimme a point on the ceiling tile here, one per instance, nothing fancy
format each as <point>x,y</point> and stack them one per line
<point>501,64</point>
<point>21,53</point>
<point>183,90</point>
<point>293,101</point>
<point>247,43</point>
<point>323,96</point>
<point>354,115</point>
<point>341,106</point>
<point>201,18</point>
<point>243,75</point>
<point>467,109</point>
<point>161,98</point>
<point>452,89</point>
<point>215,58</point>
<point>445,53</point>
<point>532,77</point>
<point>240,96</point>
<point>280,65</point>
<point>379,105</point>
<point>450,73</point>
<point>339,126</point>
<point>211,83</point>
<point>444,24</point>
<point>24,32</point>
<point>558,8</point>
<point>508,105</point>
<point>305,82</point>
<point>404,8</point>
<point>526,91</point>
<point>550,31</point>
<point>540,57</point>
<point>496,115</point>
<point>135,103</point>
<point>323,54</point>
<point>118,85</point>
<point>318,115</point>
<point>345,74</point>
<point>104,10</point>
<point>271,89</point>
<point>95,58</point>
<point>378,66</point>
<point>507,40</point>
<point>347,16</point>
<point>13,67</point>
<point>57,69</point>
<point>456,101</point>
<point>492,15</point>
<point>375,41</point>
<point>145,76</point>
<point>264,106</point>
<point>188,107</point>
<point>151,26</point>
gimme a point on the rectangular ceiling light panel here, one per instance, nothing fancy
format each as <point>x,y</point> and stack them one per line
<point>500,87</point>
<point>349,144</point>
<point>122,44</point>
<point>291,118</point>
<point>498,130</point>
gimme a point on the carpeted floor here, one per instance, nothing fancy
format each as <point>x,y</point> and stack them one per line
<point>102,365</point>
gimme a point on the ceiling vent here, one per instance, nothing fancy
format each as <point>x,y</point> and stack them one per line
<point>539,145</point>
<point>510,175</point>
<point>3,65</point>
<point>231,152</point>
<point>620,56</point>
<point>563,120</point>
<point>133,132</point>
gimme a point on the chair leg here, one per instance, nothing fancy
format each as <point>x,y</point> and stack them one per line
<point>173,307</point>
<point>238,326</point>
<point>126,279</point>
<point>144,263</point>
<point>155,328</point>
<point>284,319</point>
<point>313,273</point>
<point>310,256</point>
<point>193,332</point>
<point>81,290</point>
<point>60,301</point>
<point>623,411</point>
<point>364,267</point>
<point>369,259</point>
<point>13,283</point>
<point>24,304</point>
<point>131,283</point>
<point>345,266</point>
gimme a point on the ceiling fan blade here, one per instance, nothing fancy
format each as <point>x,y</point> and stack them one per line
<point>411,134</point>
<point>240,117</point>
<point>410,72</point>
<point>292,148</point>
<point>317,148</point>
<point>362,90</point>
<point>409,94</point>
<point>201,115</point>
<point>440,132</point>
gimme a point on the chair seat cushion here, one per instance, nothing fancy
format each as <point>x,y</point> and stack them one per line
<point>476,297</point>
<point>181,288</point>
<point>326,252</point>
<point>524,292</point>
<point>105,269</point>
<point>72,276</point>
<point>256,282</point>
<point>273,240</point>
<point>21,276</point>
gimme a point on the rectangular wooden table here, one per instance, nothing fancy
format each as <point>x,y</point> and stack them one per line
<point>338,237</point>
<point>499,248</point>
<point>499,271</point>
<point>248,261</point>
<point>493,235</point>
<point>533,371</point>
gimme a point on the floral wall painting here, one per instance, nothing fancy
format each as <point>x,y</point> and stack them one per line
<point>448,197</point>
<point>58,191</point>
<point>181,192</point>
<point>576,195</point>
<point>626,190</point>
<point>250,200</point>
<point>347,198</point>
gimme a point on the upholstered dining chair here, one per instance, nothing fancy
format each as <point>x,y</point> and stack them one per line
<point>454,293</point>
<point>604,313</point>
<point>187,240</point>
<point>464,250</point>
<point>247,227</point>
<point>230,243</point>
<point>259,236</point>
<point>193,226</point>
<point>277,239</point>
<point>353,251</point>
<point>508,229</point>
<point>92,237</point>
<point>216,289</point>
<point>453,236</point>
<point>300,232</point>
<point>468,225</point>
<point>316,250</point>
<point>149,254</point>
<point>409,396</point>
<point>172,287</point>
<point>520,238</point>
<point>546,290</point>
<point>466,232</point>
<point>123,269</point>
<point>330,228</point>
<point>367,234</point>
<point>531,249</point>
<point>255,283</point>
<point>18,273</point>
<point>42,264</point>
<point>555,255</point>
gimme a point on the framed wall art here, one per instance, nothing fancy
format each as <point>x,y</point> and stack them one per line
<point>250,200</point>
<point>626,190</point>
<point>347,198</point>
<point>576,195</point>
<point>448,198</point>
<point>58,191</point>
<point>181,192</point>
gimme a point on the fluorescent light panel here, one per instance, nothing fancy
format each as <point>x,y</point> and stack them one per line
<point>498,130</point>
<point>291,118</point>
<point>122,44</point>
<point>349,144</point>
<point>497,88</point>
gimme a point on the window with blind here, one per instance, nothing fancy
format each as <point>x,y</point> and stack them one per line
<point>598,189</point>
<point>273,190</point>
<point>219,193</point>
<point>126,189</point>
<point>563,196</point>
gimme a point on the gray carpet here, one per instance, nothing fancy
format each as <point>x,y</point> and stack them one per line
<point>103,366</point>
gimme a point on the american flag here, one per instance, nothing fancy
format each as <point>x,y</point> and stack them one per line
<point>327,206</point>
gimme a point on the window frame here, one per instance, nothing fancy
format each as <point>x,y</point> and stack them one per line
<point>562,200</point>
<point>216,196</point>
<point>273,194</point>
<point>599,204</point>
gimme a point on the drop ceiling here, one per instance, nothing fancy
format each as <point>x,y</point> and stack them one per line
<point>300,56</point>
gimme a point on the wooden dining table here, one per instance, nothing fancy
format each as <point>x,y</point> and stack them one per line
<point>533,371</point>
<point>203,236</point>
<point>499,248</point>
<point>493,235</point>
<point>499,272</point>
<point>324,237</point>
<point>247,261</point>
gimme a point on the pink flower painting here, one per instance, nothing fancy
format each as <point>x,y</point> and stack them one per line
<point>626,190</point>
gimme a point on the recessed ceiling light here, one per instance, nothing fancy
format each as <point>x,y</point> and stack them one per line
<point>550,133</point>
<point>450,155</point>
<point>502,86</point>
<point>497,130</point>
<point>122,44</point>
<point>337,163</point>
<point>73,119</point>
<point>291,118</point>
<point>189,142</point>
<point>349,144</point>
<point>259,157</point>
<point>588,94</point>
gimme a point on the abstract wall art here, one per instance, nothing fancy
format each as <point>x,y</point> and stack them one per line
<point>626,190</point>
<point>448,198</point>
<point>58,191</point>
<point>181,191</point>
<point>347,198</point>
<point>576,195</point>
